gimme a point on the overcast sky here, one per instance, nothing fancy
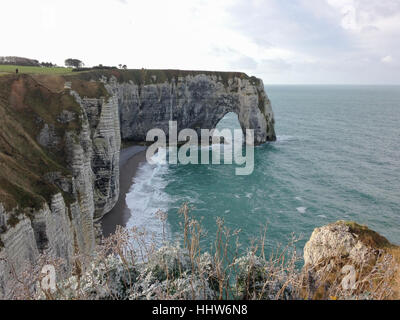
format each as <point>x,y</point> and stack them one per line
<point>281,41</point>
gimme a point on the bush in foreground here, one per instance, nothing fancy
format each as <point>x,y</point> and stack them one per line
<point>128,266</point>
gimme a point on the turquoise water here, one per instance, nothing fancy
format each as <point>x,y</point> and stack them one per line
<point>337,157</point>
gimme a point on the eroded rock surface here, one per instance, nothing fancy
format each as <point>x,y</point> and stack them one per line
<point>196,102</point>
<point>335,241</point>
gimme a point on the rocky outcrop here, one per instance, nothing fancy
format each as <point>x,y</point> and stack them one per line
<point>196,101</point>
<point>336,241</point>
<point>345,260</point>
<point>347,241</point>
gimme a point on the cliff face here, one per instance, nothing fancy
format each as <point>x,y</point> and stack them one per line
<point>196,101</point>
<point>60,138</point>
<point>99,153</point>
<point>339,251</point>
<point>74,182</point>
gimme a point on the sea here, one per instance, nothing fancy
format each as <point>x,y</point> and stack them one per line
<point>337,157</point>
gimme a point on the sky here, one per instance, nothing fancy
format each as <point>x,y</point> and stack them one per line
<point>280,41</point>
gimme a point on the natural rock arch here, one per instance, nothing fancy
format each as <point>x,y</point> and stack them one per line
<point>229,121</point>
<point>195,101</point>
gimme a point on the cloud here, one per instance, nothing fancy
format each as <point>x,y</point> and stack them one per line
<point>357,15</point>
<point>387,59</point>
<point>321,41</point>
<point>271,66</point>
<point>244,63</point>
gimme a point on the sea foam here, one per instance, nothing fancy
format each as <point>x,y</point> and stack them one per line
<point>301,209</point>
<point>146,196</point>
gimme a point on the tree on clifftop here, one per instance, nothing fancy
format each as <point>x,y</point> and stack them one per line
<point>75,63</point>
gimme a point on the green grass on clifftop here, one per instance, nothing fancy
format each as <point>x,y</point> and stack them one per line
<point>367,236</point>
<point>154,76</point>
<point>138,76</point>
<point>7,69</point>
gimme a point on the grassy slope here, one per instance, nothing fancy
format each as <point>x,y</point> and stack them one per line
<point>142,76</point>
<point>25,105</point>
<point>151,76</point>
<point>139,76</point>
<point>7,69</point>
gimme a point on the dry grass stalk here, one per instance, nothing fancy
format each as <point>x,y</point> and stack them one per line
<point>129,266</point>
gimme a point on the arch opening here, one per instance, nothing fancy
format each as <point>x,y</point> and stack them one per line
<point>230,121</point>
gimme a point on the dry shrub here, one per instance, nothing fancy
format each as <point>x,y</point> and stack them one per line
<point>127,265</point>
<point>373,280</point>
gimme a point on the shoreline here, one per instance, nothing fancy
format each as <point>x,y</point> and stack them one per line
<point>130,160</point>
